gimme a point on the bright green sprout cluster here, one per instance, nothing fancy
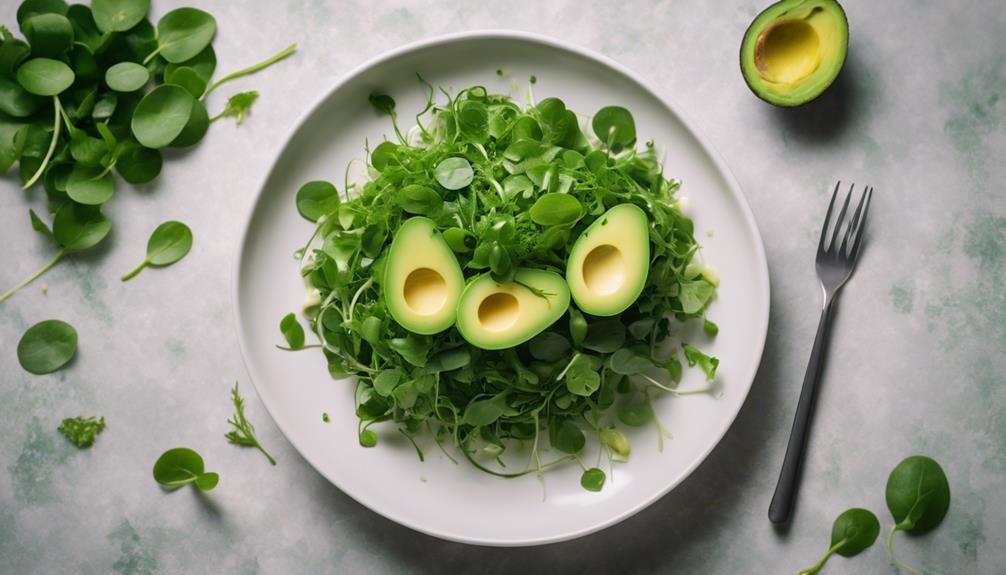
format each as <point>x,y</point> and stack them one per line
<point>81,431</point>
<point>489,172</point>
<point>92,90</point>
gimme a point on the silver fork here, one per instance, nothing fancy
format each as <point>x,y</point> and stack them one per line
<point>835,262</point>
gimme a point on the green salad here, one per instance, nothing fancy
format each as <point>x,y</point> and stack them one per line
<point>507,277</point>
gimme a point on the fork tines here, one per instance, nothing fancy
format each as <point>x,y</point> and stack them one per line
<point>853,229</point>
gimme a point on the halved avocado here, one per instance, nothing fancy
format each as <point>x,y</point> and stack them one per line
<point>607,267</point>
<point>422,278</point>
<point>497,316</point>
<point>794,50</point>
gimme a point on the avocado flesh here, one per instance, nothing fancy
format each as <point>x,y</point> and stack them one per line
<point>794,50</point>
<point>607,267</point>
<point>422,279</point>
<point>497,316</point>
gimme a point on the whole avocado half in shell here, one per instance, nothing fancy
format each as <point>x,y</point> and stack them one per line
<point>794,50</point>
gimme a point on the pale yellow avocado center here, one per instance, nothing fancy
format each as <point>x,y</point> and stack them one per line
<point>604,270</point>
<point>788,51</point>
<point>425,291</point>
<point>499,311</point>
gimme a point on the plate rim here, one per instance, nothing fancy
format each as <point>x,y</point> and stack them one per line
<point>733,186</point>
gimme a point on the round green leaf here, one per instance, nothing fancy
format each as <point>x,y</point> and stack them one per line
<point>183,33</point>
<point>382,154</point>
<point>89,185</point>
<point>47,346</point>
<point>78,227</point>
<point>454,173</point>
<point>556,210</point>
<point>859,529</point>
<point>138,165</point>
<point>316,199</point>
<point>195,128</point>
<point>12,51</point>
<point>85,31</point>
<point>614,126</point>
<point>189,79</point>
<point>50,35</point>
<point>204,64</point>
<point>30,8</point>
<point>86,150</point>
<point>162,115</point>
<point>169,243</point>
<point>178,466</point>
<point>104,106</point>
<point>118,15</point>
<point>592,479</point>
<point>918,494</point>
<point>127,77</point>
<point>45,77</point>
<point>15,100</point>
<point>635,414</point>
<point>417,199</point>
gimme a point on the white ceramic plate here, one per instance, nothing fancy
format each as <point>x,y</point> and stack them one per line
<point>458,502</point>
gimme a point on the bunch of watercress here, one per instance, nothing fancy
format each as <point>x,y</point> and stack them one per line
<point>509,186</point>
<point>92,90</point>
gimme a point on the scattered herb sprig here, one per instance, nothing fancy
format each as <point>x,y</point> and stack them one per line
<point>82,431</point>
<point>243,432</point>
<point>92,90</point>
<point>508,186</point>
<point>182,466</point>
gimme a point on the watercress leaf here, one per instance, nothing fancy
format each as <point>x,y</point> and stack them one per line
<point>16,101</point>
<point>85,30</point>
<point>449,360</point>
<point>183,33</point>
<point>207,481</point>
<point>854,531</point>
<point>78,227</point>
<point>203,64</point>
<point>237,105</point>
<point>706,363</point>
<point>162,115</point>
<point>292,331</point>
<point>47,346</point>
<point>605,336</point>
<point>614,126</point>
<point>177,467</point>
<point>138,164</point>
<point>406,394</point>
<point>387,380</point>
<point>317,198</point>
<point>90,185</point>
<point>170,242</point>
<point>710,328</point>
<point>473,121</point>
<point>127,77</point>
<point>118,15</point>
<point>104,106</point>
<point>641,328</point>
<point>635,413</point>
<point>368,438</point>
<point>419,199</point>
<point>454,173</point>
<point>195,128</point>
<point>694,295</point>
<point>577,327</point>
<point>485,411</point>
<point>615,440</point>
<point>82,431</point>
<point>50,35</point>
<point>44,77</point>
<point>460,240</point>
<point>592,479</point>
<point>413,348</point>
<point>581,377</point>
<point>86,150</point>
<point>565,435</point>
<point>627,362</point>
<point>38,225</point>
<point>556,210</point>
<point>30,8</point>
<point>918,494</point>
<point>548,346</point>
<point>382,103</point>
<point>382,155</point>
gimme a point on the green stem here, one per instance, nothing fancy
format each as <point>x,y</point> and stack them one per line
<point>264,452</point>
<point>890,550</point>
<point>136,270</point>
<point>58,111</point>
<point>218,116</point>
<point>152,55</point>
<point>251,69</point>
<point>817,566</point>
<point>32,277</point>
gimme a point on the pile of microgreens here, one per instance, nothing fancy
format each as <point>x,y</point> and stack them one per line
<point>92,90</point>
<point>509,186</point>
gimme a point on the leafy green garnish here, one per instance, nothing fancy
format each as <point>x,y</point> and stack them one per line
<point>918,496</point>
<point>47,346</point>
<point>170,242</point>
<point>182,466</point>
<point>509,186</point>
<point>854,531</point>
<point>97,90</point>
<point>81,431</point>
<point>243,432</point>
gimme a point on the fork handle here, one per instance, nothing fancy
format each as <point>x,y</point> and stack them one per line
<point>781,508</point>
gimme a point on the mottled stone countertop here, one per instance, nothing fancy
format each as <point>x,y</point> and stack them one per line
<point>916,363</point>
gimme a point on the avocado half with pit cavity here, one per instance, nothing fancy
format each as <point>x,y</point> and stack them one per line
<point>794,50</point>
<point>607,267</point>
<point>422,278</point>
<point>492,315</point>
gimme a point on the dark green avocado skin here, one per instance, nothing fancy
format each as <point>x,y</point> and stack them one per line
<point>841,65</point>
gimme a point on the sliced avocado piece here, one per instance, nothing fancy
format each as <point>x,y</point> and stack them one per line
<point>497,316</point>
<point>607,267</point>
<point>422,278</point>
<point>794,50</point>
